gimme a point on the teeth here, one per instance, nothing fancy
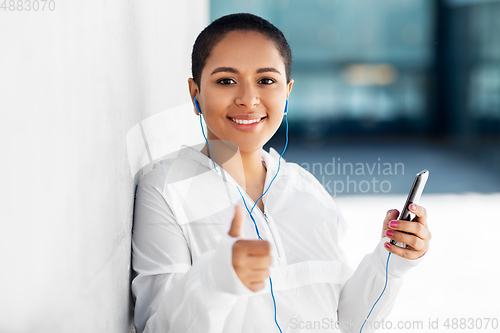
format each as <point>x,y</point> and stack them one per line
<point>241,121</point>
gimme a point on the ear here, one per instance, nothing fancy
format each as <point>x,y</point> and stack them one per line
<point>289,88</point>
<point>193,91</point>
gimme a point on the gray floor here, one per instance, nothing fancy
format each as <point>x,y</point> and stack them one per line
<point>385,167</point>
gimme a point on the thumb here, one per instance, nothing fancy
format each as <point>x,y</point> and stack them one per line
<point>235,229</point>
<point>391,215</point>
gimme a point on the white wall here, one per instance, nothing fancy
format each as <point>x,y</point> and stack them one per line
<point>73,81</point>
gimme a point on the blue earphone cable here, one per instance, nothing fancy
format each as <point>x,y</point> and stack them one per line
<point>209,150</point>
<point>260,238</point>
<point>386,274</point>
<point>251,216</point>
<point>202,131</point>
<point>250,211</point>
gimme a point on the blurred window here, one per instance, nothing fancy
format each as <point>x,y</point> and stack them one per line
<point>356,61</point>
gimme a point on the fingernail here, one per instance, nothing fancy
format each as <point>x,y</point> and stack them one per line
<point>394,224</point>
<point>389,212</point>
<point>388,245</point>
<point>389,233</point>
<point>413,207</point>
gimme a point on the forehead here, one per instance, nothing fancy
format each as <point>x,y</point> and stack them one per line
<point>244,50</point>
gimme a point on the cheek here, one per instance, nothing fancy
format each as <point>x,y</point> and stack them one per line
<point>276,111</point>
<point>274,96</point>
<point>277,105</point>
<point>215,103</point>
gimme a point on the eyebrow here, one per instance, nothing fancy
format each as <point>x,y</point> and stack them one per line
<point>235,71</point>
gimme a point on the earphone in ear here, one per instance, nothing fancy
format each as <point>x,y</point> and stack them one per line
<point>286,106</point>
<point>197,106</point>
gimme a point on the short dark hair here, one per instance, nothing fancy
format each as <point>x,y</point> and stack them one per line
<point>219,28</point>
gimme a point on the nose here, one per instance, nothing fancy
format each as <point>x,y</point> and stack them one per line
<point>248,96</point>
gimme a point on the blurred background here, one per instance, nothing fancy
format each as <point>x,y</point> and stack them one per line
<point>383,89</point>
<point>402,80</point>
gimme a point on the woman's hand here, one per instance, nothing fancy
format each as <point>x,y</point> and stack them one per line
<point>251,258</point>
<point>418,243</point>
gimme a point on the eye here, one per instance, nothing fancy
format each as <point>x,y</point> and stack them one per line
<point>266,81</point>
<point>226,81</point>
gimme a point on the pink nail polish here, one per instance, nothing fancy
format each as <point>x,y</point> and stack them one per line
<point>394,224</point>
<point>413,207</point>
<point>388,245</point>
<point>389,233</point>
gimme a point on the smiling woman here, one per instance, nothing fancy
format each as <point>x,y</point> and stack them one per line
<point>202,264</point>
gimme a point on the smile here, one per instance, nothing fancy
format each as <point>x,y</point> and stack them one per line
<point>246,122</point>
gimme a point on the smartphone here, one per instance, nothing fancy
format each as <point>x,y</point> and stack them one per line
<point>413,197</point>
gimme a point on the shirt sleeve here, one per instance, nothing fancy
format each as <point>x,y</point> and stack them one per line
<point>172,294</point>
<point>362,290</point>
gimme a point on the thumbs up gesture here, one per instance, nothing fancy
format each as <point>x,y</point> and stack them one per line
<point>251,258</point>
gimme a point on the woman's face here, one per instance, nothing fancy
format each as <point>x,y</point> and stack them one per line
<point>243,81</point>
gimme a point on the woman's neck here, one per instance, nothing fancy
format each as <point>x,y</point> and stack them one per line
<point>245,168</point>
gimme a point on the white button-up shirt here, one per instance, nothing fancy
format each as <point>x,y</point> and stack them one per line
<point>184,279</point>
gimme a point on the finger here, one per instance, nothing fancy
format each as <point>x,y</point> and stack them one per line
<point>255,276</point>
<point>255,262</point>
<point>258,248</point>
<point>420,213</point>
<point>235,230</point>
<point>412,227</point>
<point>412,241</point>
<point>256,286</point>
<point>251,248</point>
<point>407,253</point>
